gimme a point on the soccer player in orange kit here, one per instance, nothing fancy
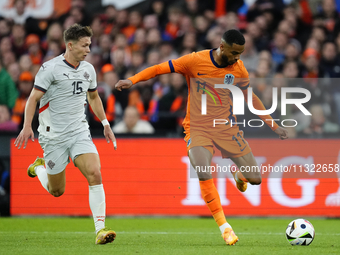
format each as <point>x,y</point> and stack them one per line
<point>205,68</point>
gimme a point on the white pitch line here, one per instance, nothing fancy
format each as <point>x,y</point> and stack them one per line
<point>155,233</point>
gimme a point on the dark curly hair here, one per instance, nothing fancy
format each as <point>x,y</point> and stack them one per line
<point>233,36</point>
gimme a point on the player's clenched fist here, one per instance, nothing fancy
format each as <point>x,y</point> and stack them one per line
<point>282,132</point>
<point>123,84</point>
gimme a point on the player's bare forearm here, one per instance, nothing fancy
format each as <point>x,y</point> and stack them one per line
<point>96,105</point>
<point>29,112</point>
<point>27,131</point>
<point>98,109</point>
<point>30,107</point>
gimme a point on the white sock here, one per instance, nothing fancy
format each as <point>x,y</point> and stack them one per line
<point>40,171</point>
<point>97,205</point>
<point>224,226</point>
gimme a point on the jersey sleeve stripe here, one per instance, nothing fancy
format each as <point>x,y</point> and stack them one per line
<point>172,69</point>
<point>41,109</point>
<point>92,90</point>
<point>40,88</point>
<point>244,87</point>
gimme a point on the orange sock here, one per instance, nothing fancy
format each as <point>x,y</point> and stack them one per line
<point>212,199</point>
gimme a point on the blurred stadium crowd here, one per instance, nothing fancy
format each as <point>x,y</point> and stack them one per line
<point>285,39</point>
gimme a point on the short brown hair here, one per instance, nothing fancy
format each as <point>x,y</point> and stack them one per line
<point>76,32</point>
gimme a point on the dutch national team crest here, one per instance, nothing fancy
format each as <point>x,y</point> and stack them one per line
<point>229,79</point>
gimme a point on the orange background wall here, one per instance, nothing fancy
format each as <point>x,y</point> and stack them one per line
<point>151,177</point>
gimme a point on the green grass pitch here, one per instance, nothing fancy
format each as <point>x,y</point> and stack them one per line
<point>161,236</point>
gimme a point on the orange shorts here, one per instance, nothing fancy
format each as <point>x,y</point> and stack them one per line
<point>231,143</point>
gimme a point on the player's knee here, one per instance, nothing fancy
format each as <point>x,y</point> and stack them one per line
<point>255,181</point>
<point>57,192</point>
<point>95,176</point>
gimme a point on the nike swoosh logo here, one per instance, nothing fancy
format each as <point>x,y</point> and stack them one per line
<point>210,200</point>
<point>243,148</point>
<point>201,74</point>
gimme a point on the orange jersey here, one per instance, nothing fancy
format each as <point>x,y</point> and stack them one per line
<point>202,73</point>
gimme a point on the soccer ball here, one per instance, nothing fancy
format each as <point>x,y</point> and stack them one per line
<point>300,232</point>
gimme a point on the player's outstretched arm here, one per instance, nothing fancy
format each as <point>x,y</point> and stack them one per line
<point>30,107</point>
<point>98,109</point>
<point>144,75</point>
